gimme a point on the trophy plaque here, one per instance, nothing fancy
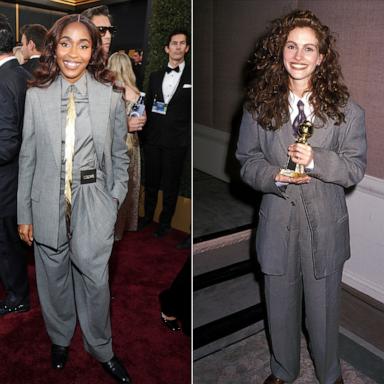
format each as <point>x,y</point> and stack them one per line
<point>292,169</point>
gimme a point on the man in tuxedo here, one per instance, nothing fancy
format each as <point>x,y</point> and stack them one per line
<point>13,84</point>
<point>32,39</point>
<point>167,134</point>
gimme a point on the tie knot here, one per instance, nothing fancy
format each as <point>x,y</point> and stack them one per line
<point>300,105</point>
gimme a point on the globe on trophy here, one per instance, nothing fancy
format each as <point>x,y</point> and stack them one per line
<point>292,169</point>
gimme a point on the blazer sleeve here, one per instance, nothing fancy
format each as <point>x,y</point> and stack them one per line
<point>27,163</point>
<point>346,164</point>
<point>255,168</point>
<point>10,138</point>
<point>120,158</point>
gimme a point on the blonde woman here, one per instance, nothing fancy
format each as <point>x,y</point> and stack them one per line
<point>120,64</point>
<point>18,54</point>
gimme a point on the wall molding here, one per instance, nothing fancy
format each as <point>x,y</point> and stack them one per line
<point>365,270</point>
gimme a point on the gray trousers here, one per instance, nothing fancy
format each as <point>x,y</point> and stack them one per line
<point>73,280</point>
<point>284,298</point>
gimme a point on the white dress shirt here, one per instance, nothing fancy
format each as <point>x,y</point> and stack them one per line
<point>171,81</point>
<point>308,111</point>
<point>294,110</point>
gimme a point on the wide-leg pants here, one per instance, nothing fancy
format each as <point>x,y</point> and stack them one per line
<point>284,300</point>
<point>73,280</point>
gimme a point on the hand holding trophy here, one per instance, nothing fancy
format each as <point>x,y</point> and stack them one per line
<point>294,170</point>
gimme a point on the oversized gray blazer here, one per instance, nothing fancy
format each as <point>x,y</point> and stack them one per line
<point>40,156</point>
<point>340,161</point>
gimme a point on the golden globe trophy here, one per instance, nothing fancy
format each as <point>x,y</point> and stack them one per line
<point>297,170</point>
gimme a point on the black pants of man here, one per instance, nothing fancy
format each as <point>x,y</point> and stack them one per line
<point>176,300</point>
<point>163,170</point>
<point>13,263</point>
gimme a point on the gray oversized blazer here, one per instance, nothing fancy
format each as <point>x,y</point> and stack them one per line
<point>340,162</point>
<point>40,155</point>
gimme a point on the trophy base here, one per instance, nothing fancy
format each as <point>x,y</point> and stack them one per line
<point>291,173</point>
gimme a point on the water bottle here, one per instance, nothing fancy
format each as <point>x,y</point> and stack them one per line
<point>139,107</point>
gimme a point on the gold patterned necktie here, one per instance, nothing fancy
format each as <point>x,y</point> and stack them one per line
<point>68,156</point>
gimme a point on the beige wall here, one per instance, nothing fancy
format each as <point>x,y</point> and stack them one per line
<point>224,36</point>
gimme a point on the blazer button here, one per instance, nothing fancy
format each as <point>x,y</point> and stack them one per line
<point>293,203</point>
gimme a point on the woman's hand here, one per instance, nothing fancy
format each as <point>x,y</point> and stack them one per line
<point>305,179</point>
<point>136,123</point>
<point>301,153</point>
<point>26,233</point>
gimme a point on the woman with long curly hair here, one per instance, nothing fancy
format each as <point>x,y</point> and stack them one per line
<point>72,179</point>
<point>302,237</point>
<point>127,219</point>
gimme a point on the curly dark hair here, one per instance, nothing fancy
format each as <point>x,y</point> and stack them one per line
<point>268,85</point>
<point>48,70</point>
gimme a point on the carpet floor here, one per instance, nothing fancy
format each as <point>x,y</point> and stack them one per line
<point>247,362</point>
<point>141,267</point>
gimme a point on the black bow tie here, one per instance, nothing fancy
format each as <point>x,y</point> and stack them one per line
<point>169,69</point>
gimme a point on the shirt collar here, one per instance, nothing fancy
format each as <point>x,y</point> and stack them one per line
<point>34,57</point>
<point>293,99</point>
<point>80,86</point>
<point>9,58</point>
<point>181,66</point>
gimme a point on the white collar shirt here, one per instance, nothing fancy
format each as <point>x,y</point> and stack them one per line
<point>171,81</point>
<point>308,111</point>
<point>9,58</point>
<point>294,110</point>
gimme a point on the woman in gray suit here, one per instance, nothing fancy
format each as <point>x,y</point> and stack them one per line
<point>302,237</point>
<point>72,179</point>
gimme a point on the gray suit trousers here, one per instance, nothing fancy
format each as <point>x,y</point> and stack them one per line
<point>73,281</point>
<point>284,298</point>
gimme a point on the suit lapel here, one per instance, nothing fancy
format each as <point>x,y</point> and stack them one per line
<point>51,101</point>
<point>99,96</point>
<point>183,79</point>
<point>285,135</point>
<point>320,133</point>
<point>159,85</point>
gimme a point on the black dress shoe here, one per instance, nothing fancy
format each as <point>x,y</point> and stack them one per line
<point>7,308</point>
<point>116,369</point>
<point>173,325</point>
<point>59,356</point>
<point>162,231</point>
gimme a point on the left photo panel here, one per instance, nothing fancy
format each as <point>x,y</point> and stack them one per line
<point>95,191</point>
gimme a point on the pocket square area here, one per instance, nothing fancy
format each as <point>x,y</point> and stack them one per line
<point>187,86</point>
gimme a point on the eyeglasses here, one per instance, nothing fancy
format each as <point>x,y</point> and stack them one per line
<point>103,30</point>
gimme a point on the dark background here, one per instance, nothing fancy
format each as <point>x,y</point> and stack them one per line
<point>129,16</point>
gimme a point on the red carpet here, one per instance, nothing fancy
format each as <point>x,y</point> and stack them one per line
<point>141,267</point>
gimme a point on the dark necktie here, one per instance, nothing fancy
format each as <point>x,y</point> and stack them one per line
<point>299,119</point>
<point>169,69</point>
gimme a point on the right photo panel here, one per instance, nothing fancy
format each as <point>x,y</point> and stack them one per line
<point>288,192</point>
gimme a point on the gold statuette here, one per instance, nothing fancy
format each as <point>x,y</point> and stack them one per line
<point>297,170</point>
